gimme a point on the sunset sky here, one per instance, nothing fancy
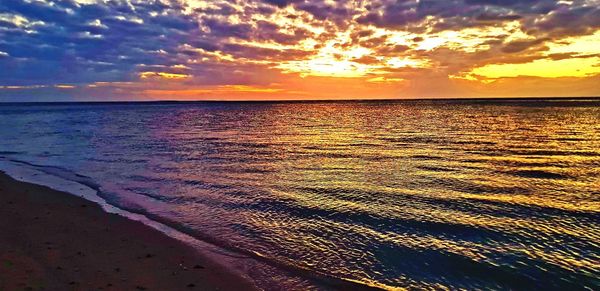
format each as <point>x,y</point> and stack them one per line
<point>296,49</point>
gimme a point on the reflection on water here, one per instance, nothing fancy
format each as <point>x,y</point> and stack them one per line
<point>462,194</point>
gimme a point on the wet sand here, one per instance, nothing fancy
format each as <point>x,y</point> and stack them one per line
<point>56,241</point>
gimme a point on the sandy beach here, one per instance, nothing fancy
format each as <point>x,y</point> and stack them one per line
<point>56,241</point>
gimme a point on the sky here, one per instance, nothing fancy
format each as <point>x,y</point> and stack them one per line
<point>107,50</point>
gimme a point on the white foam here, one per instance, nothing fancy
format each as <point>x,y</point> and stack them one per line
<point>237,263</point>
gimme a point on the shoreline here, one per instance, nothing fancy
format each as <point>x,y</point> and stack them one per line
<point>55,240</point>
<point>240,264</point>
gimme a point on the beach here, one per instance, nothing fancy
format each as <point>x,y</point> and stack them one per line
<point>56,241</point>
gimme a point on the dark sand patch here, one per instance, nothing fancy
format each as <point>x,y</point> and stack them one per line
<point>55,241</point>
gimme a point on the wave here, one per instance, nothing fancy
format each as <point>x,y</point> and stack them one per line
<point>331,186</point>
<point>538,174</point>
<point>75,184</point>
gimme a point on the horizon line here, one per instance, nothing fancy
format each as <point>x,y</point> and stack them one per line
<point>529,98</point>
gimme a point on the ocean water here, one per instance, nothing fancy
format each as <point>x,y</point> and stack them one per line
<point>412,194</point>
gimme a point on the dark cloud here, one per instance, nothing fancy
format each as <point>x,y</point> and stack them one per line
<point>567,21</point>
<point>282,3</point>
<point>519,46</point>
<point>259,53</point>
<point>367,60</point>
<point>392,50</point>
<point>323,11</point>
<point>497,17</point>
<point>268,31</point>
<point>537,16</point>
<point>220,28</point>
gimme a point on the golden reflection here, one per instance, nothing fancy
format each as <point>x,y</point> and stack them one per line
<point>326,182</point>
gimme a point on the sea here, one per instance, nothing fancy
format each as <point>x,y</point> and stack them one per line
<point>407,194</point>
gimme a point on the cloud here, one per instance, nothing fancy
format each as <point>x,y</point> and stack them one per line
<point>262,42</point>
<point>86,43</point>
<point>519,46</point>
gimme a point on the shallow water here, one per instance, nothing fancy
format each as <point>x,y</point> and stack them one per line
<point>417,194</point>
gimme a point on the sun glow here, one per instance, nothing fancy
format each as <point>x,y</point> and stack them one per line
<point>331,61</point>
<point>326,67</point>
<point>543,68</point>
